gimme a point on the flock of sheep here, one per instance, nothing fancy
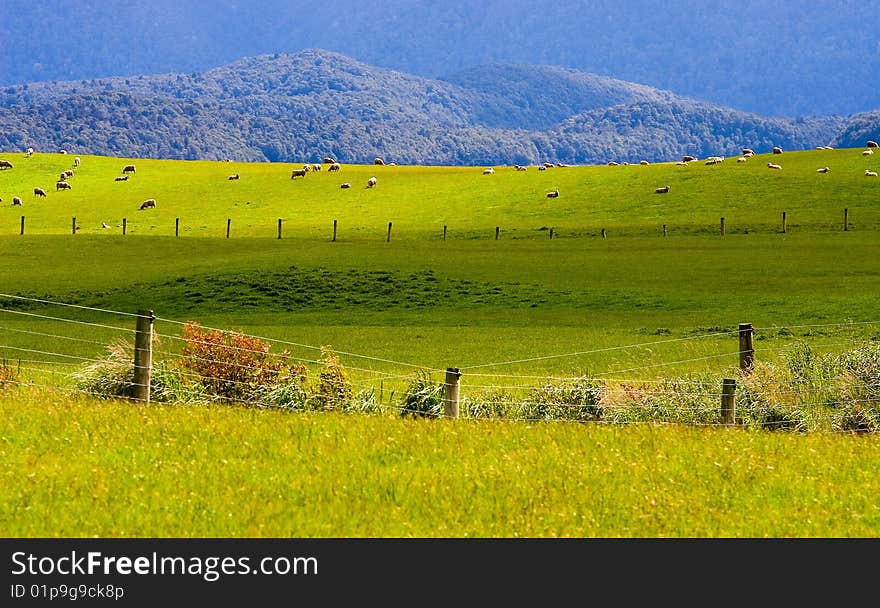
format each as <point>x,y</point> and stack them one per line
<point>63,181</point>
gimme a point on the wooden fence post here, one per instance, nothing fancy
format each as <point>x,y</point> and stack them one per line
<point>728,401</point>
<point>123,226</point>
<point>451,392</point>
<point>388,238</point>
<point>723,230</point>
<point>551,234</point>
<point>279,227</point>
<point>143,355</point>
<point>22,225</point>
<point>746,347</point>
<point>664,230</point>
<point>497,230</point>
<point>444,233</point>
<point>228,226</point>
<point>73,226</point>
<point>177,226</point>
<point>783,223</point>
<point>603,233</point>
<point>845,220</point>
<point>334,231</point>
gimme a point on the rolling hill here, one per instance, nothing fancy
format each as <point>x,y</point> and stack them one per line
<point>308,104</point>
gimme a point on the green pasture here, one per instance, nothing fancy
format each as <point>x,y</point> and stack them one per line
<point>74,467</point>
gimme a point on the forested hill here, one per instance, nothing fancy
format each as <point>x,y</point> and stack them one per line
<point>302,106</point>
<point>778,58</point>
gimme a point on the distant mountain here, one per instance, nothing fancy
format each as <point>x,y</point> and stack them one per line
<point>779,58</point>
<point>302,106</point>
<point>860,129</point>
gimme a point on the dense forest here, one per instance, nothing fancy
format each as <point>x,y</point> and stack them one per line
<point>779,58</point>
<point>302,106</point>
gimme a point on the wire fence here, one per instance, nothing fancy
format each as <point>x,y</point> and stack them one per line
<point>805,391</point>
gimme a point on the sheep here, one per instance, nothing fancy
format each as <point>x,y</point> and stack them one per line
<point>297,173</point>
<point>611,163</point>
<point>520,168</point>
<point>29,152</point>
<point>688,158</point>
<point>681,163</point>
<point>553,194</point>
<point>870,173</point>
<point>76,161</point>
<point>822,170</point>
<point>872,144</point>
<point>5,164</point>
<point>129,169</point>
<point>488,171</point>
<point>234,176</point>
<point>16,201</point>
<point>334,167</point>
<point>542,168</point>
<point>749,154</point>
<point>371,182</point>
<point>148,204</point>
<point>644,162</point>
<point>777,150</point>
<point>121,178</point>
<point>867,152</point>
<point>316,167</point>
<point>104,225</point>
<point>378,161</point>
<point>68,173</point>
<point>345,185</point>
<point>62,151</point>
<point>307,168</point>
<point>772,166</point>
<point>712,161</point>
<point>39,192</point>
<point>742,159</point>
<point>748,151</point>
<point>62,185</point>
<point>329,160</point>
<point>662,190</point>
<point>548,165</point>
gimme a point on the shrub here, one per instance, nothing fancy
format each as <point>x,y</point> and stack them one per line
<point>576,399</point>
<point>234,366</point>
<point>333,390</point>
<point>110,376</point>
<point>8,375</point>
<point>423,398</point>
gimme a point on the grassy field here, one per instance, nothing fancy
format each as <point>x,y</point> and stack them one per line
<point>633,305</point>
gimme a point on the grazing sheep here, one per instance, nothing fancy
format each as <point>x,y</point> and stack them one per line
<point>772,166</point>
<point>688,159</point>
<point>148,204</point>
<point>334,167</point>
<point>749,154</point>
<point>62,185</point>
<point>297,173</point>
<point>378,161</point>
<point>371,182</point>
<point>542,168</point>
<point>681,163</point>
<point>712,161</point>
<point>5,164</point>
<point>748,151</point>
<point>234,176</point>
<point>872,144</point>
<point>307,168</point>
<point>519,167</point>
<point>548,165</point>
<point>29,152</point>
<point>488,171</point>
<point>869,173</point>
<point>662,190</point>
<point>121,178</point>
<point>822,170</point>
<point>777,150</point>
<point>104,225</point>
<point>329,161</point>
<point>68,173</point>
<point>611,163</point>
<point>129,169</point>
<point>742,159</point>
<point>644,162</point>
<point>16,201</point>
<point>316,167</point>
<point>62,151</point>
<point>76,161</point>
<point>553,194</point>
<point>867,152</point>
<point>39,192</point>
<point>345,185</point>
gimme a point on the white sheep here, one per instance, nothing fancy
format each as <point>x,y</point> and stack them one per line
<point>772,166</point>
<point>870,173</point>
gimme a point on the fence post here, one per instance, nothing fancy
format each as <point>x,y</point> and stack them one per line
<point>664,230</point>
<point>444,233</point>
<point>746,347</point>
<point>723,230</point>
<point>551,234</point>
<point>783,223</point>
<point>73,226</point>
<point>845,220</point>
<point>497,230</point>
<point>451,392</point>
<point>143,355</point>
<point>728,401</point>
<point>123,226</point>
<point>177,226</point>
<point>279,227</point>
<point>334,231</point>
<point>388,238</point>
<point>22,224</point>
<point>228,225</point>
<point>603,233</point>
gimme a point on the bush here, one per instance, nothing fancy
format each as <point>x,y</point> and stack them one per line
<point>8,375</point>
<point>111,376</point>
<point>577,399</point>
<point>423,398</point>
<point>333,390</point>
